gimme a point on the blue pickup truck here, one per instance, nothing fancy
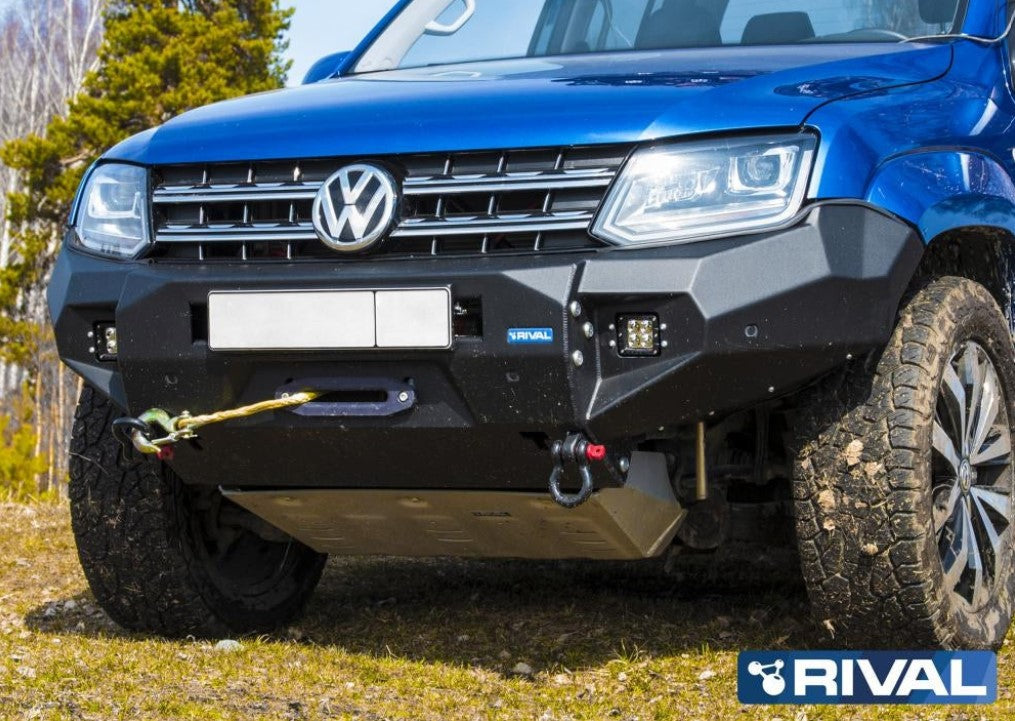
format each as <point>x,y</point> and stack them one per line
<point>564,279</point>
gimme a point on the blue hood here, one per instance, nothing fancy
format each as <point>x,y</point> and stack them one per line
<point>601,98</point>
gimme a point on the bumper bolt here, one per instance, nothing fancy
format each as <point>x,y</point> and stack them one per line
<point>576,309</point>
<point>589,330</point>
<point>403,397</point>
<point>578,358</point>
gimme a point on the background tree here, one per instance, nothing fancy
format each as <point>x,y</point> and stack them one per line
<point>46,47</point>
<point>157,59</point>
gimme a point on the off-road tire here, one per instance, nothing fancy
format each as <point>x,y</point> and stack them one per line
<point>147,559</point>
<point>862,484</point>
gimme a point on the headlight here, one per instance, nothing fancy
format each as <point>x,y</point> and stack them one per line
<point>692,191</point>
<point>113,213</point>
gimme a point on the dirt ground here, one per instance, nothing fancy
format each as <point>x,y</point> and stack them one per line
<point>447,640</point>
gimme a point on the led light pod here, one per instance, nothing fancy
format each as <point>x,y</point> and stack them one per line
<point>638,335</point>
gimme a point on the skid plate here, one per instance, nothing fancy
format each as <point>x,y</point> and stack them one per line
<point>635,522</point>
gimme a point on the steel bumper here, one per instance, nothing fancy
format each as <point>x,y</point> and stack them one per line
<point>746,320</point>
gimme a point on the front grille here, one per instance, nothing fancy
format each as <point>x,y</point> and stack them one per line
<point>520,201</point>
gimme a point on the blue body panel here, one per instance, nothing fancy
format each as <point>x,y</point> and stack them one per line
<point>924,131</point>
<point>609,98</point>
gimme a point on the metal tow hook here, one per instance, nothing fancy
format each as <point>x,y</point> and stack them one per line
<point>155,432</point>
<point>578,450</point>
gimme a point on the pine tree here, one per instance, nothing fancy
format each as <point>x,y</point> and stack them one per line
<point>158,59</point>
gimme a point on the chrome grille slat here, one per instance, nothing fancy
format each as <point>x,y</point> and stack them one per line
<point>234,235</point>
<point>420,186</point>
<point>212,231</point>
<point>421,229</point>
<point>597,178</point>
<point>235,194</point>
<point>528,200</point>
<point>492,226</point>
<point>169,190</point>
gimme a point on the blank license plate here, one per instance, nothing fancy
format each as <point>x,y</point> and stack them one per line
<point>329,320</point>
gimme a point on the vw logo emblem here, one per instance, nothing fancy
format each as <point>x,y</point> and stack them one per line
<point>355,207</point>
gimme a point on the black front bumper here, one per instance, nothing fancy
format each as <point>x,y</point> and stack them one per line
<point>747,320</point>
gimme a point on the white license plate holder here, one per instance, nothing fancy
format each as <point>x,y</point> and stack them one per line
<point>290,320</point>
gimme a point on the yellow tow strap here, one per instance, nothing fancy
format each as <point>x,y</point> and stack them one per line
<point>185,426</point>
<point>194,422</point>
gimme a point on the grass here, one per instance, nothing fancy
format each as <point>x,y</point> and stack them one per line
<point>394,639</point>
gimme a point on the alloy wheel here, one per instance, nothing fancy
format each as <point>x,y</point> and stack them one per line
<point>972,478</point>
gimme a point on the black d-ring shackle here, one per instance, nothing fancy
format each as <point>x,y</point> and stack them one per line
<point>574,449</point>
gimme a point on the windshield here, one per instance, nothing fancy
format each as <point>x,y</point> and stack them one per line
<point>441,32</point>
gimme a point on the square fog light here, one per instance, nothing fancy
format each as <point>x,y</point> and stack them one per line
<point>638,335</point>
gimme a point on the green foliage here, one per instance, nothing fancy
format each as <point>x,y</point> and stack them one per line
<point>158,59</point>
<point>19,464</point>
